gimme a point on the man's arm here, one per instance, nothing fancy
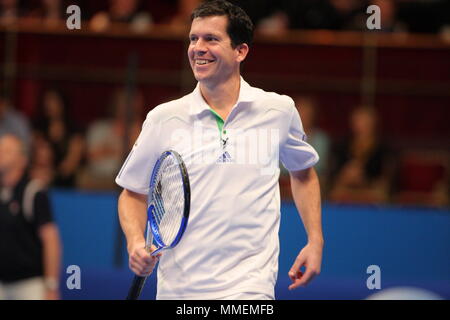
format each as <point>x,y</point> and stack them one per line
<point>306,193</point>
<point>133,217</point>
<point>51,247</point>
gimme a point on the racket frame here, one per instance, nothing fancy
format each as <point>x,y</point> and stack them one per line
<point>152,231</point>
<point>151,208</point>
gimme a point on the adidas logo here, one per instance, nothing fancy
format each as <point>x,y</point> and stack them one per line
<point>225,157</point>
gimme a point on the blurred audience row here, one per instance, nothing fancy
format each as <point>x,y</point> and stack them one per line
<point>65,156</point>
<point>362,168</point>
<point>270,17</point>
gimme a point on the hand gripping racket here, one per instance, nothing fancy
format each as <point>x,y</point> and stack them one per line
<point>168,208</point>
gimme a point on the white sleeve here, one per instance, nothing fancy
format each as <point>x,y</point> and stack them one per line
<point>295,152</point>
<point>137,168</point>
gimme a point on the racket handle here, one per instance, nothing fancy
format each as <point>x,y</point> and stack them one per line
<point>139,282</point>
<point>136,288</point>
<point>154,253</point>
<point>148,238</point>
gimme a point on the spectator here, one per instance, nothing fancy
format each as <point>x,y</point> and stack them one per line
<point>106,141</point>
<point>9,12</point>
<point>50,13</point>
<point>183,15</point>
<point>317,138</point>
<point>42,162</point>
<point>420,16</point>
<point>324,14</point>
<point>269,17</point>
<point>29,241</point>
<point>389,19</point>
<point>122,11</point>
<point>360,172</point>
<point>55,128</point>
<point>13,122</point>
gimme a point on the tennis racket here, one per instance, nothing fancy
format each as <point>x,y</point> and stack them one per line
<point>168,208</point>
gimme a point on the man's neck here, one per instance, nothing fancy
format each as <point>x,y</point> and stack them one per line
<point>222,97</point>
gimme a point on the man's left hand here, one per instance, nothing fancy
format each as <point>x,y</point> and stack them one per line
<point>309,257</point>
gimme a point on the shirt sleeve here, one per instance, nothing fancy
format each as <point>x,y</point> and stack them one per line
<point>42,209</point>
<point>137,168</point>
<point>295,153</point>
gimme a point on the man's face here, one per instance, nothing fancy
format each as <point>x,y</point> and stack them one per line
<point>210,53</point>
<point>362,122</point>
<point>11,154</point>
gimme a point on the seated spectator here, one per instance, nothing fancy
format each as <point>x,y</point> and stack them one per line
<point>389,19</point>
<point>122,11</point>
<point>42,161</point>
<point>182,18</point>
<point>324,14</point>
<point>55,128</point>
<point>13,122</point>
<point>51,13</point>
<point>106,145</point>
<point>265,14</point>
<point>420,16</point>
<point>360,168</point>
<point>317,138</point>
<point>269,17</point>
<point>9,12</point>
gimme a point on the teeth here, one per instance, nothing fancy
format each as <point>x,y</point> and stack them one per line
<point>198,61</point>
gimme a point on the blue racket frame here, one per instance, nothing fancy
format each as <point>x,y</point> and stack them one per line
<point>187,196</point>
<point>139,282</point>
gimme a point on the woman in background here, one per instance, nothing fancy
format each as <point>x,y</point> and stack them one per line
<point>55,130</point>
<point>360,170</point>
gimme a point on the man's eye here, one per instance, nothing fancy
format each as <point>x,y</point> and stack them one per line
<point>193,39</point>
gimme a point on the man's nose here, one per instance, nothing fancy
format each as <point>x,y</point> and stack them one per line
<point>200,46</point>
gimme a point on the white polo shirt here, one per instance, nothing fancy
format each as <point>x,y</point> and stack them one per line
<point>231,242</point>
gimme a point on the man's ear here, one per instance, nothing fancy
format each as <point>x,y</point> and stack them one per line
<point>242,51</point>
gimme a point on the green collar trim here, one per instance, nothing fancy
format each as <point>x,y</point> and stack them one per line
<point>219,120</point>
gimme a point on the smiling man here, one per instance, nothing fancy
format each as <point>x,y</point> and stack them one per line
<point>230,247</point>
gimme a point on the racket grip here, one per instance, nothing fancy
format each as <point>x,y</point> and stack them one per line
<point>136,288</point>
<point>149,242</point>
<point>139,282</point>
<point>154,253</point>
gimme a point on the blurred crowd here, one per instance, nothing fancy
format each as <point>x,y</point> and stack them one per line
<point>362,168</point>
<point>270,17</point>
<point>64,155</point>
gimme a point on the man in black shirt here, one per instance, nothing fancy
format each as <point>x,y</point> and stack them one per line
<point>29,240</point>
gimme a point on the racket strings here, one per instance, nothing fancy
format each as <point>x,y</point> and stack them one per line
<point>168,196</point>
<point>175,198</point>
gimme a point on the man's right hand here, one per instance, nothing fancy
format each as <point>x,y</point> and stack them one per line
<point>140,260</point>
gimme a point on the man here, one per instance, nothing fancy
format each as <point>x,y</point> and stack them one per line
<point>13,122</point>
<point>230,247</point>
<point>29,241</point>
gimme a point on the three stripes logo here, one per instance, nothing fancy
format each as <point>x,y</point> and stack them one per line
<point>224,158</point>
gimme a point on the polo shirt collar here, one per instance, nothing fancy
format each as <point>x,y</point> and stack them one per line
<point>199,105</point>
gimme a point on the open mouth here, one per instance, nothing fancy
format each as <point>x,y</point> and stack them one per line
<point>202,62</point>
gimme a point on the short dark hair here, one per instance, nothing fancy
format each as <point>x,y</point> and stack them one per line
<point>240,26</point>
